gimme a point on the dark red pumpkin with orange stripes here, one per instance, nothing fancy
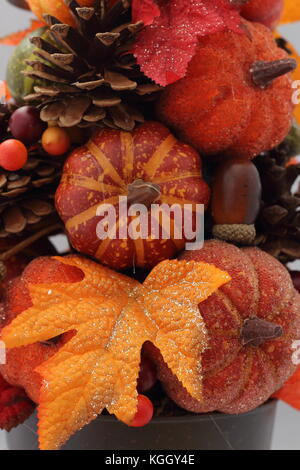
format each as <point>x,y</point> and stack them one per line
<point>148,166</point>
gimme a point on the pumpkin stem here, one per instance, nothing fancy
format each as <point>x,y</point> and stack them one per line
<point>263,73</point>
<point>257,331</point>
<point>141,192</point>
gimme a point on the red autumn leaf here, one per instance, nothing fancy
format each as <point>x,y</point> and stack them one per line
<point>290,392</point>
<point>145,11</point>
<point>15,38</point>
<point>165,47</point>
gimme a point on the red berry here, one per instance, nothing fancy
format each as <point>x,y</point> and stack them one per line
<point>13,155</point>
<point>26,125</point>
<point>147,376</point>
<point>296,279</point>
<point>56,141</point>
<point>144,412</point>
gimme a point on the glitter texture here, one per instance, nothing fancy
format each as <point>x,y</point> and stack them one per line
<point>113,317</point>
<point>166,46</point>
<point>236,377</point>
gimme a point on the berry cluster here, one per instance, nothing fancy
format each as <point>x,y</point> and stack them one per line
<point>27,130</point>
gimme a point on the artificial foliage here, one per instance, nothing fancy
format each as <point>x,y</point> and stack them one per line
<point>113,316</point>
<point>57,8</point>
<point>162,101</point>
<point>169,41</point>
<point>291,11</point>
<point>15,38</point>
<point>290,392</point>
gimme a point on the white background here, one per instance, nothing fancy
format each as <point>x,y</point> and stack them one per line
<point>287,426</point>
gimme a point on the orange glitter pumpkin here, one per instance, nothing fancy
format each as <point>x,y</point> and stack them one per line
<point>267,12</point>
<point>236,98</point>
<point>147,165</point>
<point>252,323</point>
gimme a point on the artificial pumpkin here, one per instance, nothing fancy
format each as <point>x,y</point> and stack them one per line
<point>109,317</point>
<point>21,363</point>
<point>56,8</point>
<point>147,165</point>
<point>230,101</point>
<point>252,323</point>
<point>267,12</point>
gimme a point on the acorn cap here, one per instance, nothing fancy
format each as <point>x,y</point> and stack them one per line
<point>241,234</point>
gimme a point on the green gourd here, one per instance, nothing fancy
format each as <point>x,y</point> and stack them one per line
<point>19,85</point>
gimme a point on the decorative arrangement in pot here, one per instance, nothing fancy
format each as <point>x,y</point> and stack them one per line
<point>91,87</point>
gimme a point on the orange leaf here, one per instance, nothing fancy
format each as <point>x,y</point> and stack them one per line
<point>296,78</point>
<point>290,392</point>
<point>291,11</point>
<point>15,38</point>
<point>113,316</point>
<point>4,92</point>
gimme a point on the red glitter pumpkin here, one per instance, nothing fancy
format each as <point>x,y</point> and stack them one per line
<point>147,165</point>
<point>230,101</point>
<point>252,323</point>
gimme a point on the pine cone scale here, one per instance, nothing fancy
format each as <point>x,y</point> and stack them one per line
<point>278,224</point>
<point>91,61</point>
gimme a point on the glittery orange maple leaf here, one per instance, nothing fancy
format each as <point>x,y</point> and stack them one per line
<point>113,316</point>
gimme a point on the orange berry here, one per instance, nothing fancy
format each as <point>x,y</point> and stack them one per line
<point>144,412</point>
<point>56,141</point>
<point>13,155</point>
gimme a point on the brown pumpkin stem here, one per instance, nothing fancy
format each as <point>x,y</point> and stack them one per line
<point>257,331</point>
<point>141,192</point>
<point>263,73</point>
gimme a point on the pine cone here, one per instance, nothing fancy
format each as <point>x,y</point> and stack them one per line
<point>278,224</point>
<point>89,75</point>
<point>23,215</point>
<point>39,171</point>
<point>27,195</point>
